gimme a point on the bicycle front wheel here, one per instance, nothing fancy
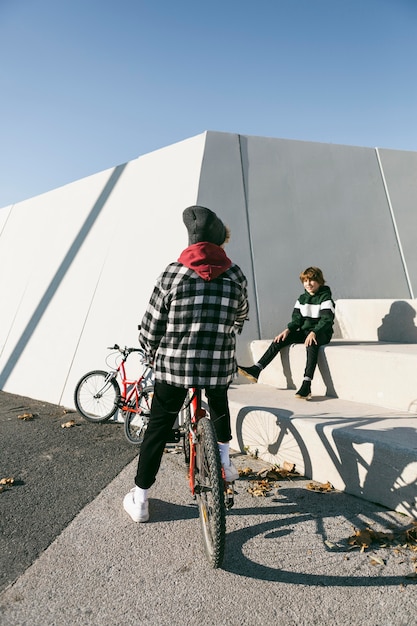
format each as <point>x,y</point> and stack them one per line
<point>209,489</point>
<point>137,418</point>
<point>97,396</point>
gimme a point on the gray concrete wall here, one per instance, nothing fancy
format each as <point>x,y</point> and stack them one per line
<point>77,264</point>
<point>314,204</point>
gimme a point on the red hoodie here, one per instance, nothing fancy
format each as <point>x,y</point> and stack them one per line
<point>206,259</point>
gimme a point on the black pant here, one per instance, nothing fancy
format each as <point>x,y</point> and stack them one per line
<point>166,404</point>
<point>297,336</point>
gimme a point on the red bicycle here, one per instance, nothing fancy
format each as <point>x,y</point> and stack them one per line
<point>98,394</point>
<point>206,475</point>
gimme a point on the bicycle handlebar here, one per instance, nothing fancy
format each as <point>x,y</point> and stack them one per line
<point>126,351</point>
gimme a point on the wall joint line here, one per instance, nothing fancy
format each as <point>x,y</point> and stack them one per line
<point>394,222</point>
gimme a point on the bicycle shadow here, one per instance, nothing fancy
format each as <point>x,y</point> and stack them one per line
<point>267,431</point>
<point>364,471</point>
<point>367,477</point>
<point>355,446</point>
<point>264,540</point>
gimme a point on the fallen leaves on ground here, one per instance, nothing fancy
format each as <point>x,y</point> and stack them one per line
<point>320,487</point>
<point>245,471</point>
<point>375,560</point>
<point>264,480</point>
<point>69,424</point>
<point>401,537</point>
<point>260,488</point>
<point>275,472</point>
<point>26,417</point>
<point>5,483</point>
<point>398,539</point>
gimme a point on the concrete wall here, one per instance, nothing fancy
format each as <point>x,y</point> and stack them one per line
<point>77,264</point>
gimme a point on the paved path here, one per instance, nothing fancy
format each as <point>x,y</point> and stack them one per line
<point>287,561</point>
<point>57,471</point>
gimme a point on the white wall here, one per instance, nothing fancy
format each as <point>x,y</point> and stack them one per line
<point>77,264</point>
<point>81,263</point>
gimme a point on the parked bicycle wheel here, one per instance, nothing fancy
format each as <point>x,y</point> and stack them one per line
<point>136,421</point>
<point>209,489</point>
<point>97,395</point>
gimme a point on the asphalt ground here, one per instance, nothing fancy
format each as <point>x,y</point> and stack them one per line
<point>291,556</point>
<point>56,472</point>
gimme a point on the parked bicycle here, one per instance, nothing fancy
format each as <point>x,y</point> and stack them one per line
<point>206,475</point>
<point>98,394</point>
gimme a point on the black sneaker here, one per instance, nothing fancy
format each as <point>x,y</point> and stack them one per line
<point>304,391</point>
<point>251,372</point>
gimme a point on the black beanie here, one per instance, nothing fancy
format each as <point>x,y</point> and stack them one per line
<point>203,225</point>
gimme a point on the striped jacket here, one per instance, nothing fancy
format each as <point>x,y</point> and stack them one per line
<point>314,312</point>
<point>190,324</point>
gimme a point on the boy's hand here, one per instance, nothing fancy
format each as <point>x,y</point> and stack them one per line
<point>310,339</point>
<point>282,336</point>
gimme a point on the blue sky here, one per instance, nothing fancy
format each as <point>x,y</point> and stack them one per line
<point>89,84</point>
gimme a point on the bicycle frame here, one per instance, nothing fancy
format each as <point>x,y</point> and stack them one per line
<point>197,413</point>
<point>130,388</point>
<point>129,392</point>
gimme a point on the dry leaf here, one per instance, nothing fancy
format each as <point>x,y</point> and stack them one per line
<point>375,560</point>
<point>406,537</point>
<point>25,416</point>
<point>246,471</point>
<point>6,481</point>
<point>69,424</point>
<point>260,488</point>
<point>288,467</point>
<point>322,488</point>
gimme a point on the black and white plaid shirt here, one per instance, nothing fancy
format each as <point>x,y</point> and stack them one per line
<point>190,324</point>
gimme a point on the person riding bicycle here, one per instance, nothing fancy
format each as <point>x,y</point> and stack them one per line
<point>189,329</point>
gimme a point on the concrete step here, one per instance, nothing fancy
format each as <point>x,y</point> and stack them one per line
<point>359,448</point>
<point>379,373</point>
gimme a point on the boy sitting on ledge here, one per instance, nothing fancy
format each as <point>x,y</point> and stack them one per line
<point>311,324</point>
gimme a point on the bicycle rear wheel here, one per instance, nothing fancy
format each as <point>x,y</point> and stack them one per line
<point>137,420</point>
<point>97,396</point>
<point>209,490</point>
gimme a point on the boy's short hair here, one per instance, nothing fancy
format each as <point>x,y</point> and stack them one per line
<point>313,273</point>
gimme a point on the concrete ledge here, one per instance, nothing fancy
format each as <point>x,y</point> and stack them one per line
<point>361,449</point>
<point>379,373</point>
<point>376,320</point>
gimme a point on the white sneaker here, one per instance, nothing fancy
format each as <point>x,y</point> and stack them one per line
<point>138,511</point>
<point>230,472</point>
